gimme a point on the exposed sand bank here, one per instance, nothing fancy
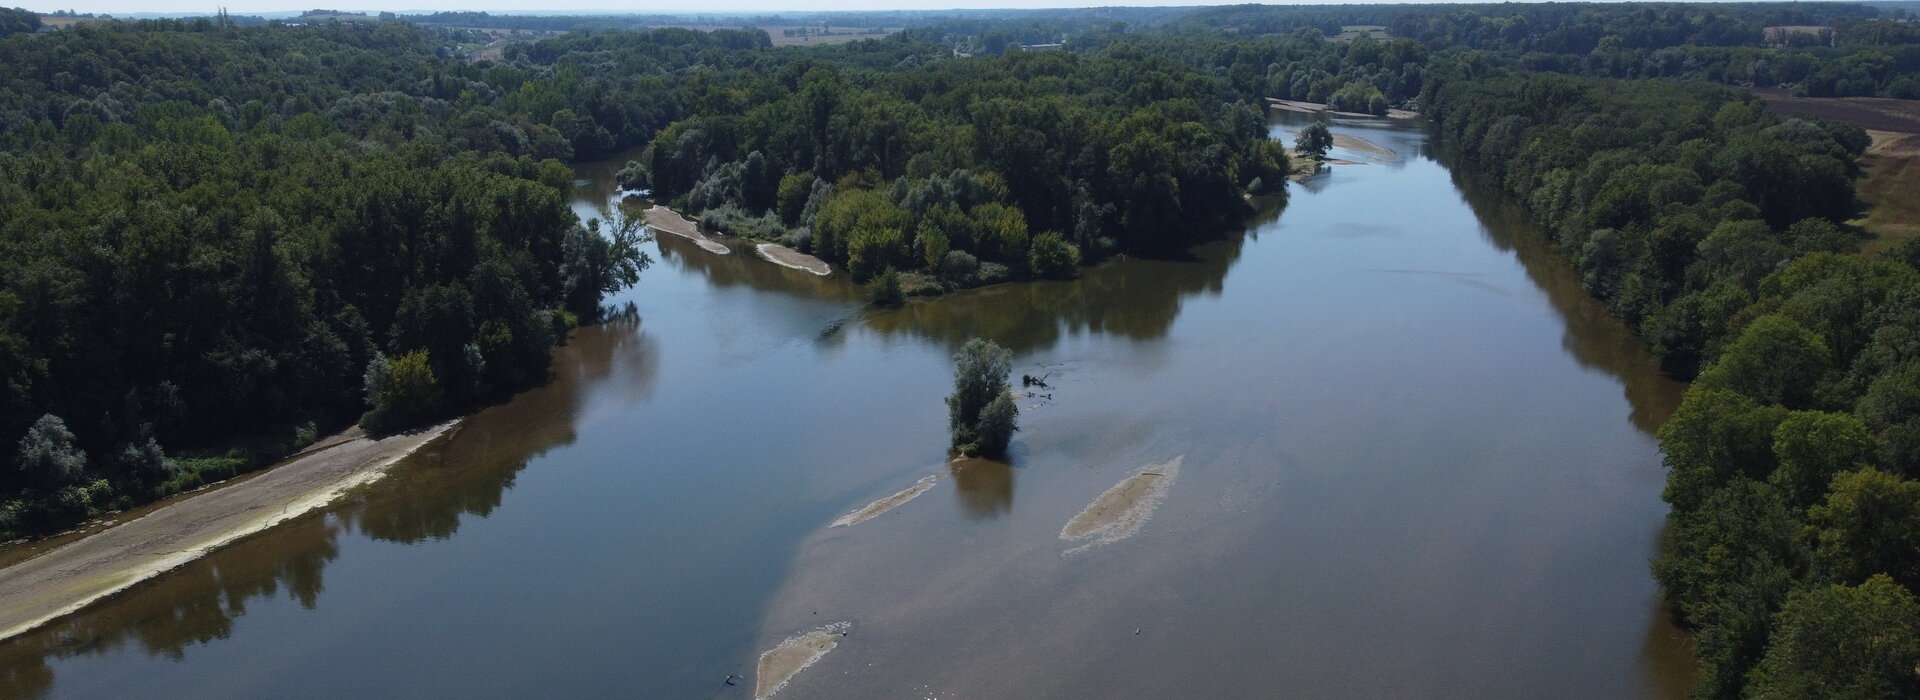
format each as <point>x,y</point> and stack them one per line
<point>64,580</point>
<point>788,257</point>
<point>666,220</point>
<point>1122,510</point>
<point>1317,107</point>
<point>787,659</point>
<point>881,506</point>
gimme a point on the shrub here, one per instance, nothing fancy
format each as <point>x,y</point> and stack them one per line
<point>885,291</point>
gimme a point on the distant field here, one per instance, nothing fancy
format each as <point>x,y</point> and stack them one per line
<point>839,35</point>
<point>1780,34</point>
<point>64,22</point>
<point>1891,186</point>
<point>1355,31</point>
<point>1892,117</point>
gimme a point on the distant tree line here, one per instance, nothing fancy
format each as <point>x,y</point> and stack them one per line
<point>1864,50</point>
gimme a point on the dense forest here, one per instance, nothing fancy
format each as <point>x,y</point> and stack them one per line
<point>1715,228</point>
<point>217,241</point>
<point>968,171</point>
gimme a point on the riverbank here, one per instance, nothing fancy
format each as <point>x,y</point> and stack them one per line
<point>38,590</point>
<point>664,220</point>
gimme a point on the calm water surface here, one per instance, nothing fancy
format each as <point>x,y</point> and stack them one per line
<point>1417,463</point>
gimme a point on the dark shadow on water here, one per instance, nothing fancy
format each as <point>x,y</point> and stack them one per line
<point>1594,337</point>
<point>985,487</point>
<point>1135,298</point>
<point>423,498</point>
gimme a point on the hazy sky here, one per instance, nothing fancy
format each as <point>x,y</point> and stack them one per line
<point>608,6</point>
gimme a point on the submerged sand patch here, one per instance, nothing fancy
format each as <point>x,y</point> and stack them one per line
<point>787,659</point>
<point>788,257</point>
<point>1356,143</point>
<point>664,220</point>
<point>1120,512</point>
<point>881,506</point>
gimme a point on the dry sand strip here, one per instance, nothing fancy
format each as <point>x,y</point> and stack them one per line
<point>666,220</point>
<point>64,580</point>
<point>879,507</point>
<point>788,257</point>
<point>1316,107</point>
<point>1122,510</point>
<point>787,659</point>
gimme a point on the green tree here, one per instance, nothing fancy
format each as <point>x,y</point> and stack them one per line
<point>885,290</point>
<point>1811,447</point>
<point>1315,139</point>
<point>980,374</point>
<point>791,197</point>
<point>1869,524</point>
<point>1052,256</point>
<point>1774,361</point>
<point>1715,436</point>
<point>1843,643</point>
<point>409,392</point>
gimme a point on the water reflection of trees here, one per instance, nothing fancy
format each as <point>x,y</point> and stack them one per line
<point>1137,299</point>
<point>985,487</point>
<point>424,498</point>
<point>1594,336</point>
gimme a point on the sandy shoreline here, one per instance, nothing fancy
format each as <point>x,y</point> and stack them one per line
<point>664,220</point>
<point>1316,107</point>
<point>66,579</point>
<point>788,257</point>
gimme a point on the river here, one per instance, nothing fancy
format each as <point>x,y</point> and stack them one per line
<point>1415,460</point>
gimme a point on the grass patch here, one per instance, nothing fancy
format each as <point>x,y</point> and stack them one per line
<point>1891,191</point>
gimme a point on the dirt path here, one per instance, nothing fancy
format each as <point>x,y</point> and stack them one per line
<point>66,579</point>
<point>666,220</point>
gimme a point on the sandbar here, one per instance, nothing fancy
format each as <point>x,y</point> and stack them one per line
<point>664,220</point>
<point>876,508</point>
<point>65,579</point>
<point>787,659</point>
<point>788,257</point>
<point>1122,510</point>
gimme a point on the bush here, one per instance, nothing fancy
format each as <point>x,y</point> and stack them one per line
<point>1052,256</point>
<point>958,266</point>
<point>47,455</point>
<point>408,392</point>
<point>885,291</point>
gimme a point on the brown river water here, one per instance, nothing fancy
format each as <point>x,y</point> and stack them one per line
<point>1413,459</point>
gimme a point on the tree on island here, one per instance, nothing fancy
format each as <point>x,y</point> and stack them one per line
<point>1315,139</point>
<point>980,413</point>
